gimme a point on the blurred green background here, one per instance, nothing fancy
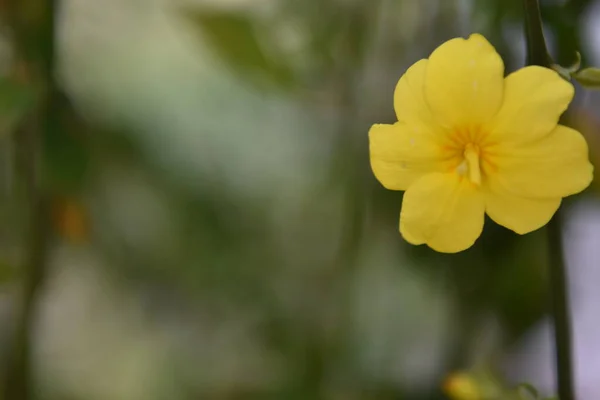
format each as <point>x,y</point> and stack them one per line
<point>215,229</point>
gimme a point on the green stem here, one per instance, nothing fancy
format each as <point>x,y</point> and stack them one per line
<point>33,23</point>
<point>560,307</point>
<point>537,54</point>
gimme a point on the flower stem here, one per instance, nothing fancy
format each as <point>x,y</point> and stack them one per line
<point>537,54</point>
<point>33,24</point>
<point>560,307</point>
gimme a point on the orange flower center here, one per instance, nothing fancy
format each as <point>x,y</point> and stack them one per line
<point>468,149</point>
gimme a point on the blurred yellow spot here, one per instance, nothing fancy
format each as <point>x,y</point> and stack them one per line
<point>461,386</point>
<point>71,221</point>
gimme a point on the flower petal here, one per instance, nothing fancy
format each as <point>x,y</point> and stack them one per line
<point>409,97</point>
<point>443,210</point>
<point>520,214</point>
<point>401,153</point>
<point>464,82</point>
<point>534,99</point>
<point>555,166</point>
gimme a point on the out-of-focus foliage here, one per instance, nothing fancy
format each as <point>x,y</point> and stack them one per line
<point>216,230</point>
<point>235,38</point>
<point>16,100</point>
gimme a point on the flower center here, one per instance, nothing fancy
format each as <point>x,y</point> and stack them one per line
<point>470,164</point>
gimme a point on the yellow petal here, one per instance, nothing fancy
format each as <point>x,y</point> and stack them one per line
<point>443,210</point>
<point>409,97</point>
<point>402,153</point>
<point>519,214</point>
<point>464,82</point>
<point>555,166</point>
<point>534,99</point>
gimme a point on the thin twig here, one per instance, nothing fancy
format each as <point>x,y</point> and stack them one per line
<point>537,54</point>
<point>560,307</point>
<point>17,380</point>
<point>34,42</point>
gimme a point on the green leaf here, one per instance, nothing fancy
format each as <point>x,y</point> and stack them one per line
<point>66,152</point>
<point>235,38</point>
<point>588,77</point>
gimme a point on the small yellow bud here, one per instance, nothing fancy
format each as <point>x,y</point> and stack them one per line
<point>461,386</point>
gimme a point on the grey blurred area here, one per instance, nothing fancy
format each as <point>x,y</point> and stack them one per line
<point>236,243</point>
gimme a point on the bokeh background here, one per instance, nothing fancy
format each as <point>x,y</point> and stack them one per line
<point>216,232</point>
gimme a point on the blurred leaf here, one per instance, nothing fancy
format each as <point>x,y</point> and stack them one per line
<point>16,100</point>
<point>357,35</point>
<point>234,38</point>
<point>7,272</point>
<point>66,154</point>
<point>588,77</point>
<point>526,391</point>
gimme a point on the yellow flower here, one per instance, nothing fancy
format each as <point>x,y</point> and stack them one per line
<point>470,142</point>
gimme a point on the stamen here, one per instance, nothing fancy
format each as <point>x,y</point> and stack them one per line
<point>472,158</point>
